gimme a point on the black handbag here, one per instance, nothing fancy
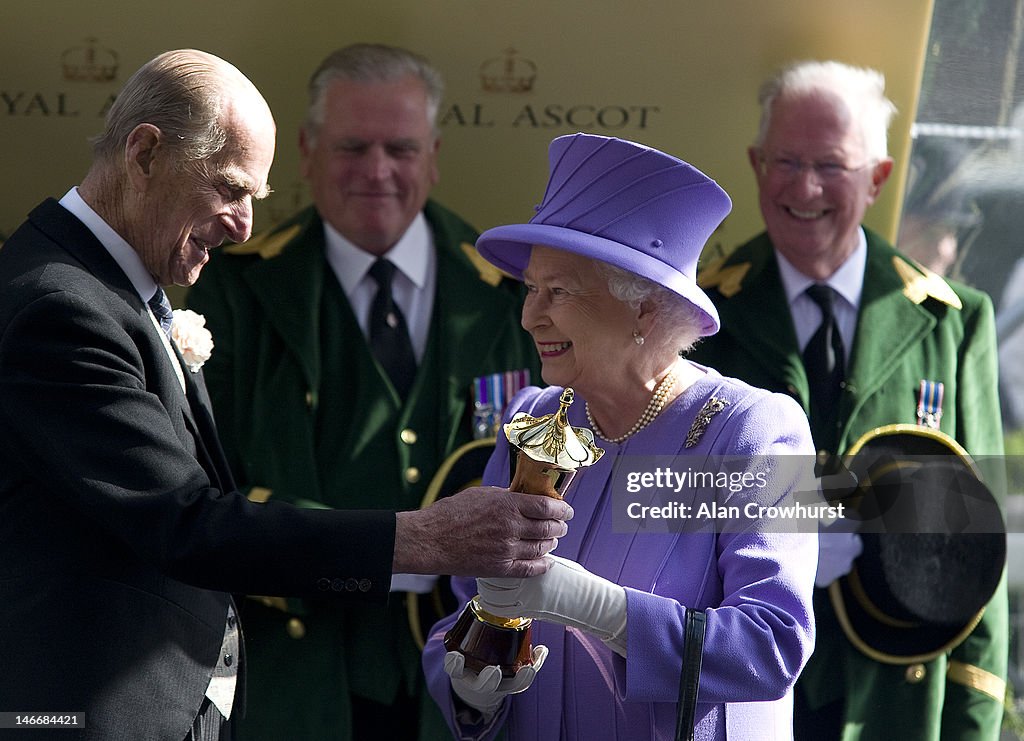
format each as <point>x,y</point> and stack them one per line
<point>689,679</point>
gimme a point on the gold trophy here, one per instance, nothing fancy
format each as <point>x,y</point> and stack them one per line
<point>549,452</point>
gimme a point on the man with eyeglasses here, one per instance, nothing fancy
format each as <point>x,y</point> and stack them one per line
<point>826,310</point>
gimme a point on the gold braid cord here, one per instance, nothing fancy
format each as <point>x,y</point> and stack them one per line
<point>976,678</point>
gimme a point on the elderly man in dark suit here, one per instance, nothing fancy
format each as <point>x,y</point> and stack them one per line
<point>121,532</point>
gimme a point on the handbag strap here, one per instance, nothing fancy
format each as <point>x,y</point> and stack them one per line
<point>689,680</point>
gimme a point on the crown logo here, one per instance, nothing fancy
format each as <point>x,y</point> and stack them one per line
<point>508,74</point>
<point>89,63</point>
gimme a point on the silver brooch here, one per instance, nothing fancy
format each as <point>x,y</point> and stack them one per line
<point>707,412</point>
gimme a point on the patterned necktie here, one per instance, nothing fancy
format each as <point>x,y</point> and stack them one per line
<point>389,336</point>
<point>160,305</point>
<point>825,363</point>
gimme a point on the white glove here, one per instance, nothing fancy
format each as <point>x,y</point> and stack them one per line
<point>838,542</point>
<point>567,594</point>
<point>419,583</point>
<point>837,549</point>
<point>487,690</point>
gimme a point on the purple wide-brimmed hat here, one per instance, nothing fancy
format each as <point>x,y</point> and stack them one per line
<point>624,204</point>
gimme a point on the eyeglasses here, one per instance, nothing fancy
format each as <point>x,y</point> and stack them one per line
<point>787,168</point>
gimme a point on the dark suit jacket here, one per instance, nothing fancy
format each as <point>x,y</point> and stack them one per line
<point>120,530</point>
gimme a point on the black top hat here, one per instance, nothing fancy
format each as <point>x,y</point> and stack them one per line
<point>934,546</point>
<point>462,469</point>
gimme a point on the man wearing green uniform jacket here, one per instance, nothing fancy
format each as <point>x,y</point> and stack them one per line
<point>820,159</point>
<point>310,413</point>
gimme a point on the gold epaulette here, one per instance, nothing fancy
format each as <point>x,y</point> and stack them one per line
<point>488,273</point>
<point>728,280</point>
<point>266,245</point>
<point>919,283</point>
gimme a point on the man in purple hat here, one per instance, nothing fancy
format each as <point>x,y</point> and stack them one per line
<point>609,265</point>
<point>826,311</point>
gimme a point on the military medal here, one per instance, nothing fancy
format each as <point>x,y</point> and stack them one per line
<point>490,395</point>
<point>929,404</point>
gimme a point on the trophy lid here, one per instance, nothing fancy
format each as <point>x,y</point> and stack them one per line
<point>551,439</point>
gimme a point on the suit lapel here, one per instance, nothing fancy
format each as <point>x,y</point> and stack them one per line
<point>462,331</point>
<point>758,319</point>
<point>889,326</point>
<point>71,234</point>
<point>75,238</point>
<point>289,286</point>
<point>200,419</point>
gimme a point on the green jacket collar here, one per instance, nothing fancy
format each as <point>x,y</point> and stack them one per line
<point>757,317</point>
<point>888,324</point>
<point>288,283</point>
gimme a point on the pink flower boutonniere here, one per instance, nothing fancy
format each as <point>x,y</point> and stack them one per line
<point>194,341</point>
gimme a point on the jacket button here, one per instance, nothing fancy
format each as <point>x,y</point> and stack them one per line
<point>296,628</point>
<point>323,584</point>
<point>338,585</point>
<point>364,585</point>
<point>408,436</point>
<point>412,474</point>
<point>915,673</point>
<point>351,585</point>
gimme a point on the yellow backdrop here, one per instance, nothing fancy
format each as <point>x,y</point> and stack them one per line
<point>675,74</point>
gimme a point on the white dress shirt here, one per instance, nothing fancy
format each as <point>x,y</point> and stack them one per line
<point>847,282</point>
<point>412,287</point>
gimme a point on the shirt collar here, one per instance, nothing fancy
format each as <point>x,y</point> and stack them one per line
<point>123,253</point>
<point>409,255</point>
<point>847,281</point>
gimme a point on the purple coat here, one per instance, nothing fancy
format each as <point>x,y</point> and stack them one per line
<point>754,585</point>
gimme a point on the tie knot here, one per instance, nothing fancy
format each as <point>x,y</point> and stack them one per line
<point>160,305</point>
<point>382,271</point>
<point>823,295</point>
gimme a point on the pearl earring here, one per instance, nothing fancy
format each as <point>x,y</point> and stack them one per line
<point>638,338</point>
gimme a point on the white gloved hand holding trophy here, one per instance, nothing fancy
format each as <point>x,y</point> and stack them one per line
<point>487,690</point>
<point>567,594</point>
<point>489,651</point>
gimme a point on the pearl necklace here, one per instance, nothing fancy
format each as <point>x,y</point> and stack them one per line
<point>653,409</point>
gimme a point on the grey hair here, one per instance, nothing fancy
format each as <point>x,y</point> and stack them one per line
<point>862,90</point>
<point>370,63</point>
<point>678,315</point>
<point>181,93</point>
